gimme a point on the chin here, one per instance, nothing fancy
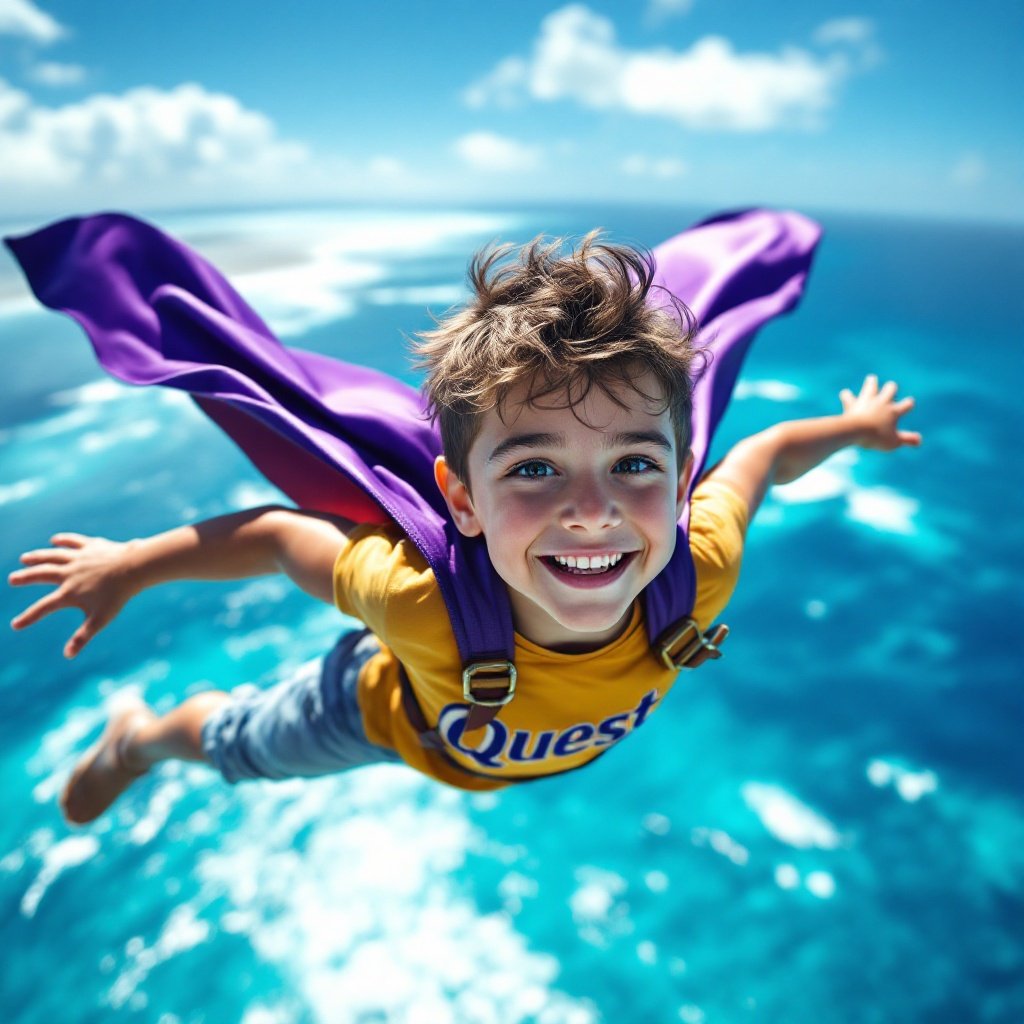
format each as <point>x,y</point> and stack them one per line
<point>593,621</point>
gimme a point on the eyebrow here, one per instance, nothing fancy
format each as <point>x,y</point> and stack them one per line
<point>623,439</point>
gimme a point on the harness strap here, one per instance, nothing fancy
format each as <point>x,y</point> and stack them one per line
<point>430,738</point>
<point>486,701</point>
<point>683,645</point>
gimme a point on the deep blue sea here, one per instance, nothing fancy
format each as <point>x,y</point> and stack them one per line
<point>825,826</point>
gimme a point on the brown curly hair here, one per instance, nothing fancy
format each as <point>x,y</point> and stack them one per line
<point>562,323</point>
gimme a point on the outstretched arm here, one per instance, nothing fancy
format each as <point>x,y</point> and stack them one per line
<point>100,576</point>
<point>781,454</point>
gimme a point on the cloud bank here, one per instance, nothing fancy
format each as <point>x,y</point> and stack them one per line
<point>709,86</point>
<point>141,141</point>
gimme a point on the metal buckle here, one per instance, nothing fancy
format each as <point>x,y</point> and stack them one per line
<point>689,632</point>
<point>502,668</point>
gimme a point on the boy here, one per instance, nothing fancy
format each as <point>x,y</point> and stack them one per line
<point>564,406</point>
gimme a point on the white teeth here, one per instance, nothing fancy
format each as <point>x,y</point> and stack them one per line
<point>588,562</point>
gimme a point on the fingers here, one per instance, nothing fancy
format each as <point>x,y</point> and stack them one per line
<point>870,389</point>
<point>43,607</point>
<point>58,555</point>
<point>81,636</point>
<point>909,437</point>
<point>38,574</point>
<point>69,540</point>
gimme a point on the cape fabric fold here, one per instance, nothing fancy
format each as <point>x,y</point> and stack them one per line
<point>347,439</point>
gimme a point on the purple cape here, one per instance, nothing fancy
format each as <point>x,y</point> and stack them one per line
<point>347,439</point>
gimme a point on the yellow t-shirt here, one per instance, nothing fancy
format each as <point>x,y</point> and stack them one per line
<point>568,708</point>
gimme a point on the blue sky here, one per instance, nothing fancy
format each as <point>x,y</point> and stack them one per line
<point>906,107</point>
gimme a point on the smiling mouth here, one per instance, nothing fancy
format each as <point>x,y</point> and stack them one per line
<point>608,572</point>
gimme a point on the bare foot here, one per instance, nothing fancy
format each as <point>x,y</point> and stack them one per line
<point>102,775</point>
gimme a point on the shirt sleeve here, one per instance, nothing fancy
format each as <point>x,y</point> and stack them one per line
<point>382,579</point>
<point>375,563</point>
<point>718,525</point>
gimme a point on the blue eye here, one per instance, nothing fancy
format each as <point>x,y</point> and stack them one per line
<point>637,464</point>
<point>531,470</point>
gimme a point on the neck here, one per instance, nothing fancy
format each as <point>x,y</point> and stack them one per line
<point>553,636</point>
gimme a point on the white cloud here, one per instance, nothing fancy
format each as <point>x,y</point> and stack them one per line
<point>844,30</point>
<point>501,88</point>
<point>485,151</point>
<point>709,86</point>
<point>23,18</point>
<point>576,57</point>
<point>653,167</point>
<point>157,147</point>
<point>13,103</point>
<point>186,136</point>
<point>852,41</point>
<point>659,10</point>
<point>970,170</point>
<point>53,73</point>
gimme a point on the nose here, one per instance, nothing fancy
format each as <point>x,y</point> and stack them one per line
<point>590,505</point>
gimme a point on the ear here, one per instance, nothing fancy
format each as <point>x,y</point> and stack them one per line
<point>456,497</point>
<point>684,483</point>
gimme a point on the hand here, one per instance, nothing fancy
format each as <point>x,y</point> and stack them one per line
<point>879,414</point>
<point>89,573</point>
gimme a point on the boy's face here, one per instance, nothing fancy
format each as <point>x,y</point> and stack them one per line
<point>548,488</point>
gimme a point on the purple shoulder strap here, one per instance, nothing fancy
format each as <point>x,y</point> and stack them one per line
<point>347,439</point>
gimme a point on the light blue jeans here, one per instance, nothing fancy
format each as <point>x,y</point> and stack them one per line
<point>305,726</point>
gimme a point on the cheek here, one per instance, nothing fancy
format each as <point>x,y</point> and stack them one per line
<point>655,515</point>
<point>653,504</point>
<point>519,509</point>
<point>511,519</point>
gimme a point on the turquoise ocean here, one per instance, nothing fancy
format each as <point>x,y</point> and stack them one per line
<point>825,826</point>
